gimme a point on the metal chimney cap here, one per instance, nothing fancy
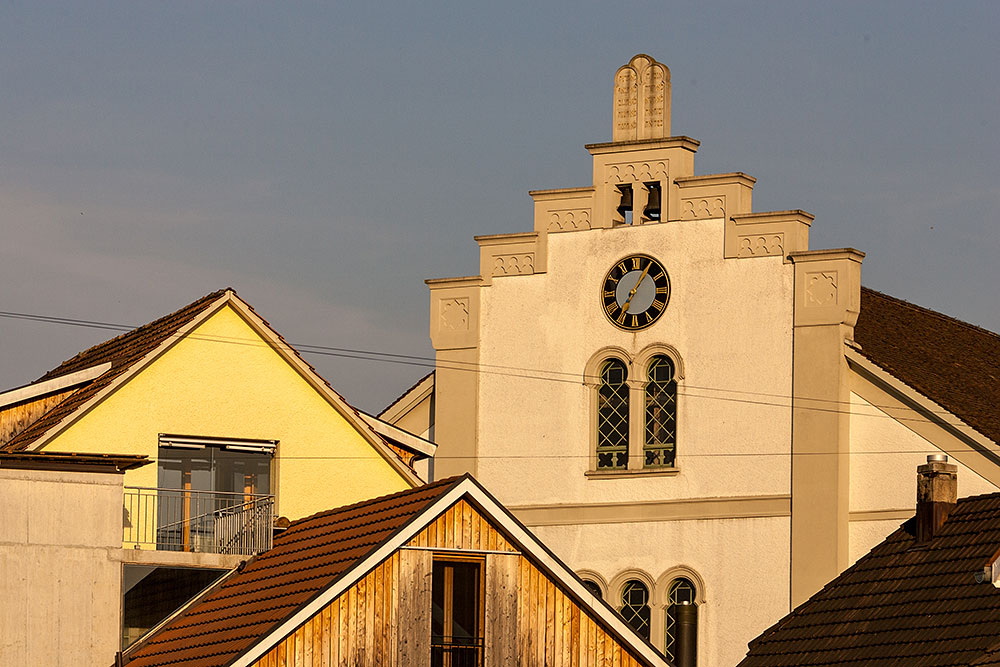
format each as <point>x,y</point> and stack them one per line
<point>937,458</point>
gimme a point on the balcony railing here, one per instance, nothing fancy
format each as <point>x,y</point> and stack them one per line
<point>456,651</point>
<point>198,521</point>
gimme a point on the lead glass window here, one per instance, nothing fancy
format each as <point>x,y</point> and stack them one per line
<point>635,606</point>
<point>659,447</point>
<point>612,416</point>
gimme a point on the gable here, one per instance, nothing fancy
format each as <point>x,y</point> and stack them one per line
<point>380,620</point>
<point>224,379</point>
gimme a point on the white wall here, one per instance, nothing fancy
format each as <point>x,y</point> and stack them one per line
<point>731,322</point>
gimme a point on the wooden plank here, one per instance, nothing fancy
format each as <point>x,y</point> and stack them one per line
<point>415,579</point>
<point>378,628</point>
<point>466,525</point>
<point>281,654</point>
<point>502,600</point>
<point>550,621</point>
<point>393,597</point>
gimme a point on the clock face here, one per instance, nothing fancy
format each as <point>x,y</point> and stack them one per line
<point>635,293</point>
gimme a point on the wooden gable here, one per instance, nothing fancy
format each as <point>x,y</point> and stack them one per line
<point>384,618</point>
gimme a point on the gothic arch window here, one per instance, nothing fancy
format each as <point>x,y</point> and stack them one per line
<point>660,414</point>
<point>613,416</point>
<point>635,606</point>
<point>681,622</point>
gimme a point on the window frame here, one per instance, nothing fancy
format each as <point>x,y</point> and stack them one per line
<point>444,559</point>
<point>637,367</point>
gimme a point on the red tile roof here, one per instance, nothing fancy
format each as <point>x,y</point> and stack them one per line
<point>305,560</point>
<point>122,351</point>
<point>901,604</point>
<point>953,363</point>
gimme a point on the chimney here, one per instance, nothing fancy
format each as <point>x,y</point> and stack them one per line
<point>937,493</point>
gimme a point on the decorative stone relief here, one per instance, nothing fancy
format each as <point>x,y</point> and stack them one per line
<point>762,245</point>
<point>514,265</point>
<point>701,208</point>
<point>569,219</point>
<point>643,172</point>
<point>455,314</point>
<point>821,288</point>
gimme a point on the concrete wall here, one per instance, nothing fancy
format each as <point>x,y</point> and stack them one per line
<point>60,570</point>
<point>224,380</point>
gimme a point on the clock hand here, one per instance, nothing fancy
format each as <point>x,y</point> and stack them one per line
<point>632,293</point>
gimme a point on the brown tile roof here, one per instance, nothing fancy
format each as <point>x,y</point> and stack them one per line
<point>953,363</point>
<point>901,605</point>
<point>122,351</point>
<point>305,560</point>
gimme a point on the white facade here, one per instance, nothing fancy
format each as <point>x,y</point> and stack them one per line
<point>785,471</point>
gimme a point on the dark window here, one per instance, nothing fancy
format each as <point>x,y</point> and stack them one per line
<point>594,588</point>
<point>456,620</point>
<point>659,448</point>
<point>152,593</point>
<point>635,606</point>
<point>625,205</point>
<point>681,624</point>
<point>612,416</point>
<point>652,210</point>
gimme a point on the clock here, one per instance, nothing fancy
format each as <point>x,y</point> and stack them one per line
<point>635,292</point>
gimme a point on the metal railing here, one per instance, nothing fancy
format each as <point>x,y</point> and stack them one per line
<point>456,651</point>
<point>198,521</point>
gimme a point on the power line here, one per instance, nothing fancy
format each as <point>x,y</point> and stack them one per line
<point>783,401</point>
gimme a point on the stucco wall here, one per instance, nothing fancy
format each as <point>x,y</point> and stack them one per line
<point>60,576</point>
<point>733,415</point>
<point>746,583</point>
<point>884,459</point>
<point>224,380</point>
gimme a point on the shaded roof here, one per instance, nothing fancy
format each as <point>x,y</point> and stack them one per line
<point>305,560</point>
<point>404,394</point>
<point>953,363</point>
<point>73,461</point>
<point>902,604</point>
<point>122,352</point>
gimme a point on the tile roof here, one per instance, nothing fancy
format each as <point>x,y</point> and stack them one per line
<point>122,352</point>
<point>305,560</point>
<point>901,604</point>
<point>953,363</point>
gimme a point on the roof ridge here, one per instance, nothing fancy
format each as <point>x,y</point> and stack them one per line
<point>935,313</point>
<point>402,396</point>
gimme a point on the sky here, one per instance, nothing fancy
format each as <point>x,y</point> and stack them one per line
<point>324,159</point>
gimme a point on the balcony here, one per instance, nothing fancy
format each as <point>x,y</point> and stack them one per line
<point>198,521</point>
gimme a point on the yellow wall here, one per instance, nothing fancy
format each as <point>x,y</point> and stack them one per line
<point>225,381</point>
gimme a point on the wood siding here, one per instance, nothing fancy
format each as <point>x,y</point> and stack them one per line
<point>384,619</point>
<point>19,416</point>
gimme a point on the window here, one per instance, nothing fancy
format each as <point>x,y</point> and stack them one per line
<point>661,414</point>
<point>681,641</point>
<point>212,494</point>
<point>635,606</point>
<point>456,615</point>
<point>594,588</point>
<point>612,416</point>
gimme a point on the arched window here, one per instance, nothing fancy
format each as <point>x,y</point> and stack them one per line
<point>594,588</point>
<point>681,642</point>
<point>660,441</point>
<point>635,606</point>
<point>612,416</point>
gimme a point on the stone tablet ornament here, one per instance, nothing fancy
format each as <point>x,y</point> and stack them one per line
<point>642,100</point>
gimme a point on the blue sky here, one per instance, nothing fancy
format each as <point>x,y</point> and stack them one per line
<point>325,158</point>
